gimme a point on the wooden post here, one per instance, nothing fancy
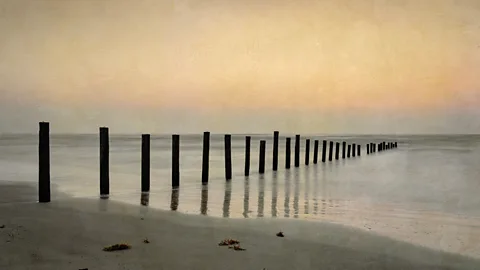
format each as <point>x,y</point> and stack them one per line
<point>354,147</point>
<point>396,146</point>
<point>349,149</point>
<point>261,165</point>
<point>359,149</point>
<point>307,152</point>
<point>228,157</point>
<point>104,162</point>
<point>344,149</point>
<point>337,150</point>
<point>175,160</point>
<point>145,162</point>
<point>205,157</point>
<point>324,150</point>
<point>287,153</point>
<point>247,155</point>
<point>368,148</point>
<point>44,162</point>
<point>297,150</point>
<point>330,152</point>
<point>379,147</point>
<point>275,150</point>
<point>315,152</point>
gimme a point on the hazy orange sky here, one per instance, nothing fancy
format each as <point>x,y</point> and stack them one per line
<point>339,66</point>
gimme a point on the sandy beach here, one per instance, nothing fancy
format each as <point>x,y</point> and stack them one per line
<point>71,233</point>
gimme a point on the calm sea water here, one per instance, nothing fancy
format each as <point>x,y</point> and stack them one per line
<point>427,191</point>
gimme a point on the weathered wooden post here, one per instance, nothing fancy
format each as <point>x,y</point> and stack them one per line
<point>44,162</point>
<point>287,153</point>
<point>324,150</point>
<point>337,150</point>
<point>228,157</point>
<point>344,149</point>
<point>275,150</point>
<point>307,152</point>
<point>354,146</point>
<point>297,150</point>
<point>104,162</point>
<point>349,150</point>
<point>359,149</point>
<point>315,152</point>
<point>368,148</point>
<point>261,164</point>
<point>330,152</point>
<point>205,157</point>
<point>145,163</point>
<point>247,155</point>
<point>175,160</point>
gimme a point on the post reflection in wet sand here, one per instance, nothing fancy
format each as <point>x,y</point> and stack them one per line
<point>174,199</point>
<point>227,198</point>
<point>144,198</point>
<point>246,197</point>
<point>261,195</point>
<point>324,189</point>
<point>307,188</point>
<point>204,200</point>
<point>286,205</point>
<point>274,194</point>
<point>296,194</point>
<point>315,190</point>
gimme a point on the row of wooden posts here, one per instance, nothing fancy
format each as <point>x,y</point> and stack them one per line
<point>350,150</point>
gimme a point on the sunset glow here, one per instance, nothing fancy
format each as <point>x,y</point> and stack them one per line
<point>318,56</point>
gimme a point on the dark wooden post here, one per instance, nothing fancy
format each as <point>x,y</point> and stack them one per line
<point>228,157</point>
<point>205,157</point>
<point>349,149</point>
<point>359,149</point>
<point>374,145</point>
<point>383,146</point>
<point>44,162</point>
<point>396,146</point>
<point>315,152</point>
<point>368,148</point>
<point>261,164</point>
<point>330,152</point>
<point>324,150</point>
<point>307,152</point>
<point>354,147</point>
<point>275,150</point>
<point>344,149</point>
<point>145,162</point>
<point>175,160</point>
<point>297,150</point>
<point>287,153</point>
<point>379,147</point>
<point>104,162</point>
<point>337,150</point>
<point>247,155</point>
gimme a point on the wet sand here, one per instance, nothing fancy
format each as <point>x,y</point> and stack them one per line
<point>70,234</point>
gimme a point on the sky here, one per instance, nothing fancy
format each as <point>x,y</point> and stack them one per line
<point>187,66</point>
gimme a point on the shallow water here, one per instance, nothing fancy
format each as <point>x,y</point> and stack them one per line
<point>424,192</point>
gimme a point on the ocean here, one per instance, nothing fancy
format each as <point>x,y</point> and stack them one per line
<point>425,192</point>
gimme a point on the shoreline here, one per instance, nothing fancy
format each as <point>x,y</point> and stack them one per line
<point>70,234</point>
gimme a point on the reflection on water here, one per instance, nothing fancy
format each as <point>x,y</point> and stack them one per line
<point>261,195</point>
<point>204,200</point>
<point>144,198</point>
<point>274,194</point>
<point>286,205</point>
<point>296,182</point>
<point>174,199</point>
<point>226,199</point>
<point>246,196</point>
